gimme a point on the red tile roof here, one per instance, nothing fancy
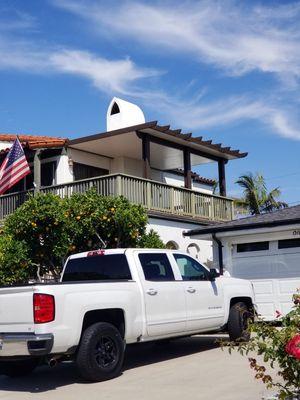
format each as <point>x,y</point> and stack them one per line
<point>35,142</point>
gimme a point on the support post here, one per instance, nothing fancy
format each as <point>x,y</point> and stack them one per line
<point>146,155</point>
<point>37,171</point>
<point>222,177</point>
<point>220,253</point>
<point>187,169</point>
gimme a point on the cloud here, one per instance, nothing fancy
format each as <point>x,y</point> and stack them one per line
<point>111,76</point>
<point>177,29</point>
<point>27,53</point>
<point>201,114</point>
<point>236,38</point>
<point>107,75</point>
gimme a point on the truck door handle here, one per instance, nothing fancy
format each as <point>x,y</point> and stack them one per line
<point>152,292</point>
<point>191,290</point>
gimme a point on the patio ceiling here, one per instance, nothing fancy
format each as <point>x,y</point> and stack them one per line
<point>166,146</point>
<point>129,145</point>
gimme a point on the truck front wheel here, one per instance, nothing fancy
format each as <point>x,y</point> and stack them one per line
<point>101,352</point>
<point>239,317</point>
<point>17,368</point>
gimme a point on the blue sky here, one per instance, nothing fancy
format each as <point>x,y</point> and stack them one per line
<point>228,71</point>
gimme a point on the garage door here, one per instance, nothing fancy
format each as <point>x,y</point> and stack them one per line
<point>274,270</point>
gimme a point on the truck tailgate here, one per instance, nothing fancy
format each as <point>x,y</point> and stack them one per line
<point>16,309</point>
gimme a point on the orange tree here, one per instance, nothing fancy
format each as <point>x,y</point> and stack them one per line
<point>46,229</point>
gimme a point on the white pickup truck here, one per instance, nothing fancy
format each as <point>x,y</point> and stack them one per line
<point>109,298</point>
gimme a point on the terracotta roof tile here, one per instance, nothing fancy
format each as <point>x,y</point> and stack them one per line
<point>34,142</point>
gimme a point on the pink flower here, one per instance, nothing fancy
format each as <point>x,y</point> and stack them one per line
<point>278,314</point>
<point>293,347</point>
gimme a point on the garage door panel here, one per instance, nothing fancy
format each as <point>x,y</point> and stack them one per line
<point>275,277</point>
<point>263,287</point>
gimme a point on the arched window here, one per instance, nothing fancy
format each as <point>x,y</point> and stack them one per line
<point>171,245</point>
<point>115,109</point>
<point>193,249</point>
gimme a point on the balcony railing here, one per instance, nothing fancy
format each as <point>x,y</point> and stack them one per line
<point>154,196</point>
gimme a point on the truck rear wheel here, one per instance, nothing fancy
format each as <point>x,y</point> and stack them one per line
<point>101,352</point>
<point>17,368</point>
<point>239,317</point>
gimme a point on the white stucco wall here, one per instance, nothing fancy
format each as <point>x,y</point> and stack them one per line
<point>5,145</point>
<point>64,171</point>
<point>178,180</point>
<point>94,160</point>
<point>170,230</point>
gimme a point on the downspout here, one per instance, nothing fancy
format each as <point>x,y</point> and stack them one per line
<point>220,253</point>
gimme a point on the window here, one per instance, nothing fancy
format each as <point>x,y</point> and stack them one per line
<point>82,171</point>
<point>255,246</point>
<point>115,109</point>
<point>193,249</point>
<point>156,267</point>
<point>48,170</point>
<point>98,268</point>
<point>172,245</point>
<point>190,269</point>
<point>288,243</point>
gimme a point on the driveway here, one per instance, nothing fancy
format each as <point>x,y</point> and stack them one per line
<point>189,368</point>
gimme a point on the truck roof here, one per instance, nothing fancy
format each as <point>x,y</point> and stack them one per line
<point>115,251</point>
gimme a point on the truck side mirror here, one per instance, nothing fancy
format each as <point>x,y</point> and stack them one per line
<point>213,274</point>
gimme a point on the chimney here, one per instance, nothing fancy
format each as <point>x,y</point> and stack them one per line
<point>121,114</point>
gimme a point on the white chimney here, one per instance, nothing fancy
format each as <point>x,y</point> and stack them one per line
<point>121,114</point>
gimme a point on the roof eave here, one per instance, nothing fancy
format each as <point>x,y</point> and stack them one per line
<point>185,139</point>
<point>219,229</point>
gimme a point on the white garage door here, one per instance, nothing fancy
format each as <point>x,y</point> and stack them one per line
<point>273,268</point>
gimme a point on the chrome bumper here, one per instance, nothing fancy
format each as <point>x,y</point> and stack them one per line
<point>22,344</point>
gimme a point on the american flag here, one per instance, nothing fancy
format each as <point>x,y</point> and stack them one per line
<point>14,167</point>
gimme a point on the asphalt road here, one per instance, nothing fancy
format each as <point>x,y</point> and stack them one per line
<point>190,368</point>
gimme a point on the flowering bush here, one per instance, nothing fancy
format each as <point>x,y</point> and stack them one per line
<point>280,350</point>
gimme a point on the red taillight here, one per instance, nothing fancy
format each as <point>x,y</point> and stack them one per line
<point>43,308</point>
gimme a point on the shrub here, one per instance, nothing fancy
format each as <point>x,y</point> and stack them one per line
<point>151,240</point>
<point>15,264</point>
<point>46,229</point>
<point>280,348</point>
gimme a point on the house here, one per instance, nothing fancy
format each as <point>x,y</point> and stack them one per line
<point>264,249</point>
<point>148,163</point>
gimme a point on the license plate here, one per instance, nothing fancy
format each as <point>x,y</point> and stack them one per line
<point>1,344</point>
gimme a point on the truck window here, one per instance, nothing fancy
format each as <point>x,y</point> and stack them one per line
<point>111,267</point>
<point>156,267</point>
<point>190,269</point>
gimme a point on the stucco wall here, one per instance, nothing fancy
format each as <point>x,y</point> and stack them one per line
<point>172,231</point>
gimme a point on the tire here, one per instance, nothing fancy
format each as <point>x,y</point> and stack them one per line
<point>238,320</point>
<point>18,368</point>
<point>101,352</point>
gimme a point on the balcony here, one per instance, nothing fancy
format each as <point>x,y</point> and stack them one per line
<point>157,197</point>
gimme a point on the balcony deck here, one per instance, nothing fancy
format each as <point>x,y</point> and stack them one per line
<point>156,197</point>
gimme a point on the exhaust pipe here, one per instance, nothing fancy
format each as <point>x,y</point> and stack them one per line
<point>52,362</point>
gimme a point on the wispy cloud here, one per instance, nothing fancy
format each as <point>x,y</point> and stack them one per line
<point>26,53</point>
<point>178,29</point>
<point>203,114</point>
<point>236,38</point>
<point>107,75</point>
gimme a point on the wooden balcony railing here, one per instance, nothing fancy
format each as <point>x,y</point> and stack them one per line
<point>154,196</point>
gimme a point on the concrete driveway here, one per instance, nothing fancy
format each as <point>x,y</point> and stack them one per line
<point>189,368</point>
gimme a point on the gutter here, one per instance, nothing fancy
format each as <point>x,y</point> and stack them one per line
<point>220,253</point>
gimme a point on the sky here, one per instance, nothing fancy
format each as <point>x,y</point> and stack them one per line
<point>225,70</point>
